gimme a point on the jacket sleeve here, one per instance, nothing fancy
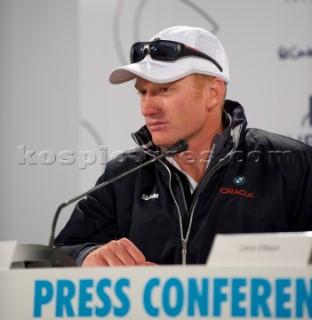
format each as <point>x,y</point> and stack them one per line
<point>105,214</point>
<point>300,191</point>
<point>92,223</point>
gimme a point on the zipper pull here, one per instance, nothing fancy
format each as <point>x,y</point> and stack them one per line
<point>184,251</point>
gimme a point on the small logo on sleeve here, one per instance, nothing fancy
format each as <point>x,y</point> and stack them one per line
<point>147,197</point>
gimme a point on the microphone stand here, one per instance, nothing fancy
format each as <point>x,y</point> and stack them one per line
<point>38,256</point>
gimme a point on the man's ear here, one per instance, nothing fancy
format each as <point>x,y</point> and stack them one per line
<point>216,92</point>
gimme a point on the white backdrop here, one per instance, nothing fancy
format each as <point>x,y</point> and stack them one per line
<point>38,113</point>
<point>56,100</point>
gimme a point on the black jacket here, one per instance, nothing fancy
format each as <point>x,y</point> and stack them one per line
<point>256,182</point>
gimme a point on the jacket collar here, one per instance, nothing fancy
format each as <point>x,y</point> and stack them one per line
<point>235,124</point>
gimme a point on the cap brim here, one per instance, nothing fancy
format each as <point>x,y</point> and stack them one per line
<point>151,70</point>
<point>164,72</point>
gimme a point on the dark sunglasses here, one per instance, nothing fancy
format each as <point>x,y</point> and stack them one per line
<point>165,50</point>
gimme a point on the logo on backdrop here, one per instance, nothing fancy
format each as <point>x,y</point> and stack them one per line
<point>307,118</point>
<point>305,133</point>
<point>294,52</point>
<point>140,10</point>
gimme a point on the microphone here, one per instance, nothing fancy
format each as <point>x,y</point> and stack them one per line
<point>35,256</point>
<point>179,147</point>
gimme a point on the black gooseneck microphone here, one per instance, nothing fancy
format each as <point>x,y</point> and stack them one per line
<point>31,256</point>
<point>180,146</point>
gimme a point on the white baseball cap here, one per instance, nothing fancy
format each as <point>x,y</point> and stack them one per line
<point>163,72</point>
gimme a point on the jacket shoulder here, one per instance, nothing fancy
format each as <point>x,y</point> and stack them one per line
<point>262,139</point>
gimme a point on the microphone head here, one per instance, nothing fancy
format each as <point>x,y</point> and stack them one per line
<point>180,146</point>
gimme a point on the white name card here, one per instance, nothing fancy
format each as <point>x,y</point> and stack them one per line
<point>266,249</point>
<point>7,249</point>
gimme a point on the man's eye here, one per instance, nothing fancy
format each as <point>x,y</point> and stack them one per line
<point>164,90</point>
<point>142,93</point>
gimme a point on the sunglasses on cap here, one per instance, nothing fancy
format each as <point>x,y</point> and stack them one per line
<point>165,50</point>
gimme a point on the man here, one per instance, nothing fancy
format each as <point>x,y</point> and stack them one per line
<point>231,179</point>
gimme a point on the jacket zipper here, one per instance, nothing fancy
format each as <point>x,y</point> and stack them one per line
<point>210,173</point>
<point>183,240</point>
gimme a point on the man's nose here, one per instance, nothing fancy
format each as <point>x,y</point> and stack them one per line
<point>150,105</point>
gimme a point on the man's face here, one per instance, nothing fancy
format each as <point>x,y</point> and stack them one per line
<point>175,110</point>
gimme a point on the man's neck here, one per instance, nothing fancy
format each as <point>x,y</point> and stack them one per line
<point>195,162</point>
